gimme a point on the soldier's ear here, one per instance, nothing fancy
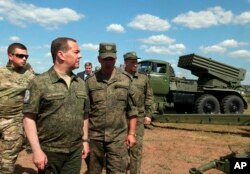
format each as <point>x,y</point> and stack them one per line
<point>61,55</point>
<point>10,56</point>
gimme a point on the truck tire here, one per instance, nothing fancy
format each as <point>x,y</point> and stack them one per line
<point>207,104</point>
<point>232,104</point>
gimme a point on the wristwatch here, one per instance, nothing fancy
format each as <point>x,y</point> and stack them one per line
<point>134,134</point>
<point>86,140</point>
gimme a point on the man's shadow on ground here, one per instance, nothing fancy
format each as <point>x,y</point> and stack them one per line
<point>24,170</point>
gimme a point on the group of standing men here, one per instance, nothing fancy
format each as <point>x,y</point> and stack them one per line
<point>66,119</point>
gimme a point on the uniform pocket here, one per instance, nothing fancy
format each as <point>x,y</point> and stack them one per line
<point>97,95</point>
<point>52,100</point>
<point>54,96</point>
<point>81,95</point>
<point>121,92</point>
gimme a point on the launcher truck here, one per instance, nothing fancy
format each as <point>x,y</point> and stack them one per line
<point>217,90</point>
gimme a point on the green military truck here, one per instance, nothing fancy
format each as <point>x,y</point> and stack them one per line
<point>217,90</point>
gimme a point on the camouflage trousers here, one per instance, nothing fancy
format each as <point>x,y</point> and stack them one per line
<point>135,153</point>
<point>11,139</point>
<point>114,153</point>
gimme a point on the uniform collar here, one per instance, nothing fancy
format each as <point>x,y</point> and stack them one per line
<point>55,77</point>
<point>10,67</point>
<point>133,76</point>
<point>136,74</point>
<point>99,77</point>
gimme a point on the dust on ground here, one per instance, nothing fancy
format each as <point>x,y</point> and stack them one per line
<point>170,149</point>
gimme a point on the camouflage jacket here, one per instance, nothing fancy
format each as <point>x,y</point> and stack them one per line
<point>13,83</point>
<point>144,95</point>
<point>59,110</point>
<point>110,104</point>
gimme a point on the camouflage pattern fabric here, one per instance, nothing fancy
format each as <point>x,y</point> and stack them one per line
<point>13,82</point>
<point>59,111</point>
<point>145,103</point>
<point>110,102</point>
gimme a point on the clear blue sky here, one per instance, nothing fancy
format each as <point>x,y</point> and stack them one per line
<point>158,29</point>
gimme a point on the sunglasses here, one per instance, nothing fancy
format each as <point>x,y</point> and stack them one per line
<point>20,56</point>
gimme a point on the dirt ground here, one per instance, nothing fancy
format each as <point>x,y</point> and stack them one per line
<point>175,148</point>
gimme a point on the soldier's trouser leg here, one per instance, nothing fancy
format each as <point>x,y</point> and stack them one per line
<point>116,157</point>
<point>135,156</point>
<point>63,163</point>
<point>96,156</point>
<point>11,145</point>
<point>135,152</point>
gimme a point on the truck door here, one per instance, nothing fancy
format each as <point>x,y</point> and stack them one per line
<point>159,79</point>
<point>158,75</point>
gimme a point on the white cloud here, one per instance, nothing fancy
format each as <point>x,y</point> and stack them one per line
<point>232,43</point>
<point>213,49</point>
<point>176,49</point>
<point>222,47</point>
<point>158,39</point>
<point>14,38</point>
<point>115,28</point>
<point>90,46</point>
<point>243,18</point>
<point>22,13</point>
<point>1,18</point>
<point>203,19</point>
<point>149,22</point>
<point>240,53</point>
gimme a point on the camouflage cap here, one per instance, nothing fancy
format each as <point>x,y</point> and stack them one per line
<point>130,55</point>
<point>107,50</point>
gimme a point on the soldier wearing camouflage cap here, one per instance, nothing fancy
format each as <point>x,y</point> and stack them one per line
<point>145,103</point>
<point>112,108</point>
<point>14,79</point>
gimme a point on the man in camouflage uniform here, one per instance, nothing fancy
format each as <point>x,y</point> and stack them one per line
<point>145,104</point>
<point>54,113</point>
<point>14,80</point>
<point>112,104</point>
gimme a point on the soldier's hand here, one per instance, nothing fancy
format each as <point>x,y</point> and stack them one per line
<point>131,140</point>
<point>147,120</point>
<point>85,150</point>
<point>39,159</point>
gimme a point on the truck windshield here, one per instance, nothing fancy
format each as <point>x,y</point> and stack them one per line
<point>152,66</point>
<point>144,66</point>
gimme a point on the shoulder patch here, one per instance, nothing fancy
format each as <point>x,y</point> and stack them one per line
<point>26,98</point>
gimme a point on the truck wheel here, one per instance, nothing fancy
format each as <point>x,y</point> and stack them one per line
<point>207,104</point>
<point>232,104</point>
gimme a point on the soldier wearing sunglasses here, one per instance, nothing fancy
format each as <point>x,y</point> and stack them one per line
<point>14,79</point>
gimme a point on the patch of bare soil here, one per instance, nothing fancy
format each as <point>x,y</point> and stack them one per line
<point>174,149</point>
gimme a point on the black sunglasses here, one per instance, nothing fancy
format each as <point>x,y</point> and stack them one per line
<point>20,56</point>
